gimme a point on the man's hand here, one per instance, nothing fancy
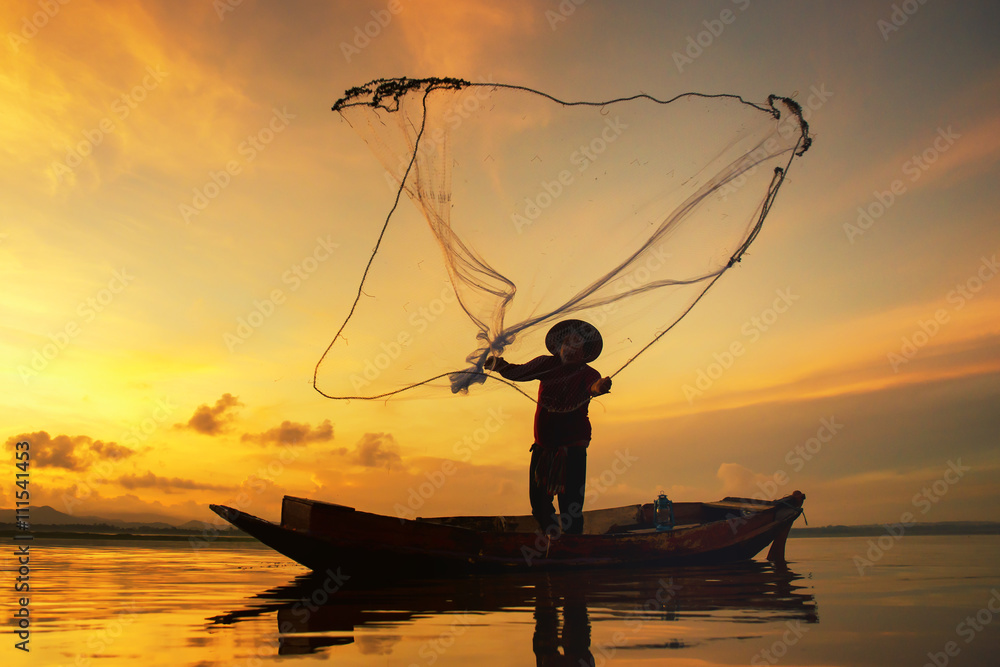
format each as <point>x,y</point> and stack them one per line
<point>602,386</point>
<point>494,364</point>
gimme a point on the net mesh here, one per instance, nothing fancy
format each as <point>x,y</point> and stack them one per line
<point>622,213</point>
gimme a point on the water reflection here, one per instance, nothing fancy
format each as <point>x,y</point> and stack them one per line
<point>312,613</point>
<point>572,636</point>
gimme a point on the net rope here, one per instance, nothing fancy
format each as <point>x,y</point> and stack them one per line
<point>465,265</point>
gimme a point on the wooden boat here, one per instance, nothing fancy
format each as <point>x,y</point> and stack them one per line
<point>324,536</point>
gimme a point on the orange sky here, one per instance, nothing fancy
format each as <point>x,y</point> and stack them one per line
<point>147,211</point>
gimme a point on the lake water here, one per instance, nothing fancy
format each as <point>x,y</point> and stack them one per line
<point>162,603</point>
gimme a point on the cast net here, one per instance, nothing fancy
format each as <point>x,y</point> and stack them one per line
<point>622,213</point>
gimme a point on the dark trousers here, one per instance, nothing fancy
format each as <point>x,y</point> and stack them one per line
<point>570,500</point>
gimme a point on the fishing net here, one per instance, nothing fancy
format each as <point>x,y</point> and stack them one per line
<point>621,213</point>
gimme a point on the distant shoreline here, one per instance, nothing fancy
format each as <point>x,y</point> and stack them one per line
<point>126,537</point>
<point>957,528</point>
<point>180,535</point>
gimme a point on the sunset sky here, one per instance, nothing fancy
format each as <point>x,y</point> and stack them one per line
<point>167,167</point>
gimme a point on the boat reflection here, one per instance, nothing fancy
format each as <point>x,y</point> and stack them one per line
<point>313,614</point>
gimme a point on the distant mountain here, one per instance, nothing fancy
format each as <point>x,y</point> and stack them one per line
<point>46,520</point>
<point>200,525</point>
<point>145,519</point>
<point>49,516</point>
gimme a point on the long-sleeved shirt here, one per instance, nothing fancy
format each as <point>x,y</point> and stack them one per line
<point>563,398</point>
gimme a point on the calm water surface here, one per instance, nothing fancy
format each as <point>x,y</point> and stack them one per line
<point>162,603</point>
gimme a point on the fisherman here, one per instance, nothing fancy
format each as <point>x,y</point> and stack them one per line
<point>562,427</point>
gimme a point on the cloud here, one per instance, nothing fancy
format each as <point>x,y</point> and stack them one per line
<point>72,452</point>
<point>213,420</point>
<point>110,450</point>
<point>739,480</point>
<point>291,433</point>
<point>375,450</point>
<point>151,481</point>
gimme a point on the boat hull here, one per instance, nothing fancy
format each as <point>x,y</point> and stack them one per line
<point>328,537</point>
